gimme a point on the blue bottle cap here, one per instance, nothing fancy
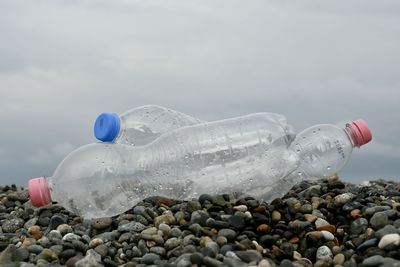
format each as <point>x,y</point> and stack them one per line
<point>106,127</point>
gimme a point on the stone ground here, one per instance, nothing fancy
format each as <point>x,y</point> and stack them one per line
<point>319,223</point>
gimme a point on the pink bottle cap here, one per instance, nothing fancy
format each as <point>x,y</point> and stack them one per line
<point>363,133</point>
<point>39,191</point>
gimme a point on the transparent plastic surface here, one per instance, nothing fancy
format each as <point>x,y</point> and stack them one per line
<point>323,150</point>
<point>247,155</point>
<point>142,125</point>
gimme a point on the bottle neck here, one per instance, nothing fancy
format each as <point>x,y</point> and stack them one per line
<point>354,135</point>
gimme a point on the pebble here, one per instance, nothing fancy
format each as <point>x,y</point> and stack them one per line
<point>71,237</point>
<point>47,255</point>
<point>193,205</point>
<point>64,229</point>
<point>36,231</point>
<point>54,222</point>
<point>12,225</point>
<point>389,239</point>
<point>242,208</point>
<point>200,217</point>
<point>92,259</point>
<point>95,242</point>
<point>150,258</point>
<point>35,249</point>
<point>150,231</point>
<point>21,254</point>
<point>388,229</point>
<point>324,252</point>
<point>172,243</point>
<point>167,218</point>
<point>102,250</point>
<point>237,221</point>
<point>328,236</point>
<point>101,223</point>
<point>379,220</point>
<point>342,199</point>
<point>276,216</point>
<point>164,228</point>
<point>339,259</point>
<point>54,235</point>
<point>264,263</point>
<point>249,255</point>
<point>375,260</point>
<point>228,233</point>
<point>131,227</point>
<point>321,223</point>
<point>358,226</point>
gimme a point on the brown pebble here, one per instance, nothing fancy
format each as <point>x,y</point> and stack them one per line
<point>150,243</point>
<point>259,248</point>
<point>333,178</point>
<point>204,240</point>
<point>310,218</point>
<point>316,234</point>
<point>296,255</point>
<point>294,240</point>
<point>315,202</point>
<point>329,227</point>
<point>356,213</point>
<point>35,231</point>
<point>264,228</point>
<point>297,206</point>
<point>158,201</point>
<point>28,242</point>
<point>260,209</point>
<point>276,216</point>
<point>328,199</point>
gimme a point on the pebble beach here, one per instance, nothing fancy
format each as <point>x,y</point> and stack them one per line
<point>324,223</point>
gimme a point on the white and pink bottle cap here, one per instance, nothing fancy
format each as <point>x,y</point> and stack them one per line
<point>361,134</point>
<point>39,191</point>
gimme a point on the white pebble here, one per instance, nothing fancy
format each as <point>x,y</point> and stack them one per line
<point>343,198</point>
<point>264,263</point>
<point>389,239</point>
<point>241,208</point>
<point>231,254</point>
<point>328,236</point>
<point>320,223</point>
<point>248,215</point>
<point>324,252</point>
<point>70,237</point>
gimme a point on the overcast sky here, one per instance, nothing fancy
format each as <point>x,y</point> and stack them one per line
<point>64,62</point>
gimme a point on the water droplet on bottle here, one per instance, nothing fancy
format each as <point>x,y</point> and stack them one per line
<point>304,137</point>
<point>298,150</point>
<point>328,168</point>
<point>299,173</point>
<point>314,132</point>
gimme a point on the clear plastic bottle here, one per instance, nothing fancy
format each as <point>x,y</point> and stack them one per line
<point>323,150</point>
<point>245,154</point>
<point>141,125</point>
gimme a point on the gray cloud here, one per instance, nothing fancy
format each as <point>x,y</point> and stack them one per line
<point>63,62</point>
